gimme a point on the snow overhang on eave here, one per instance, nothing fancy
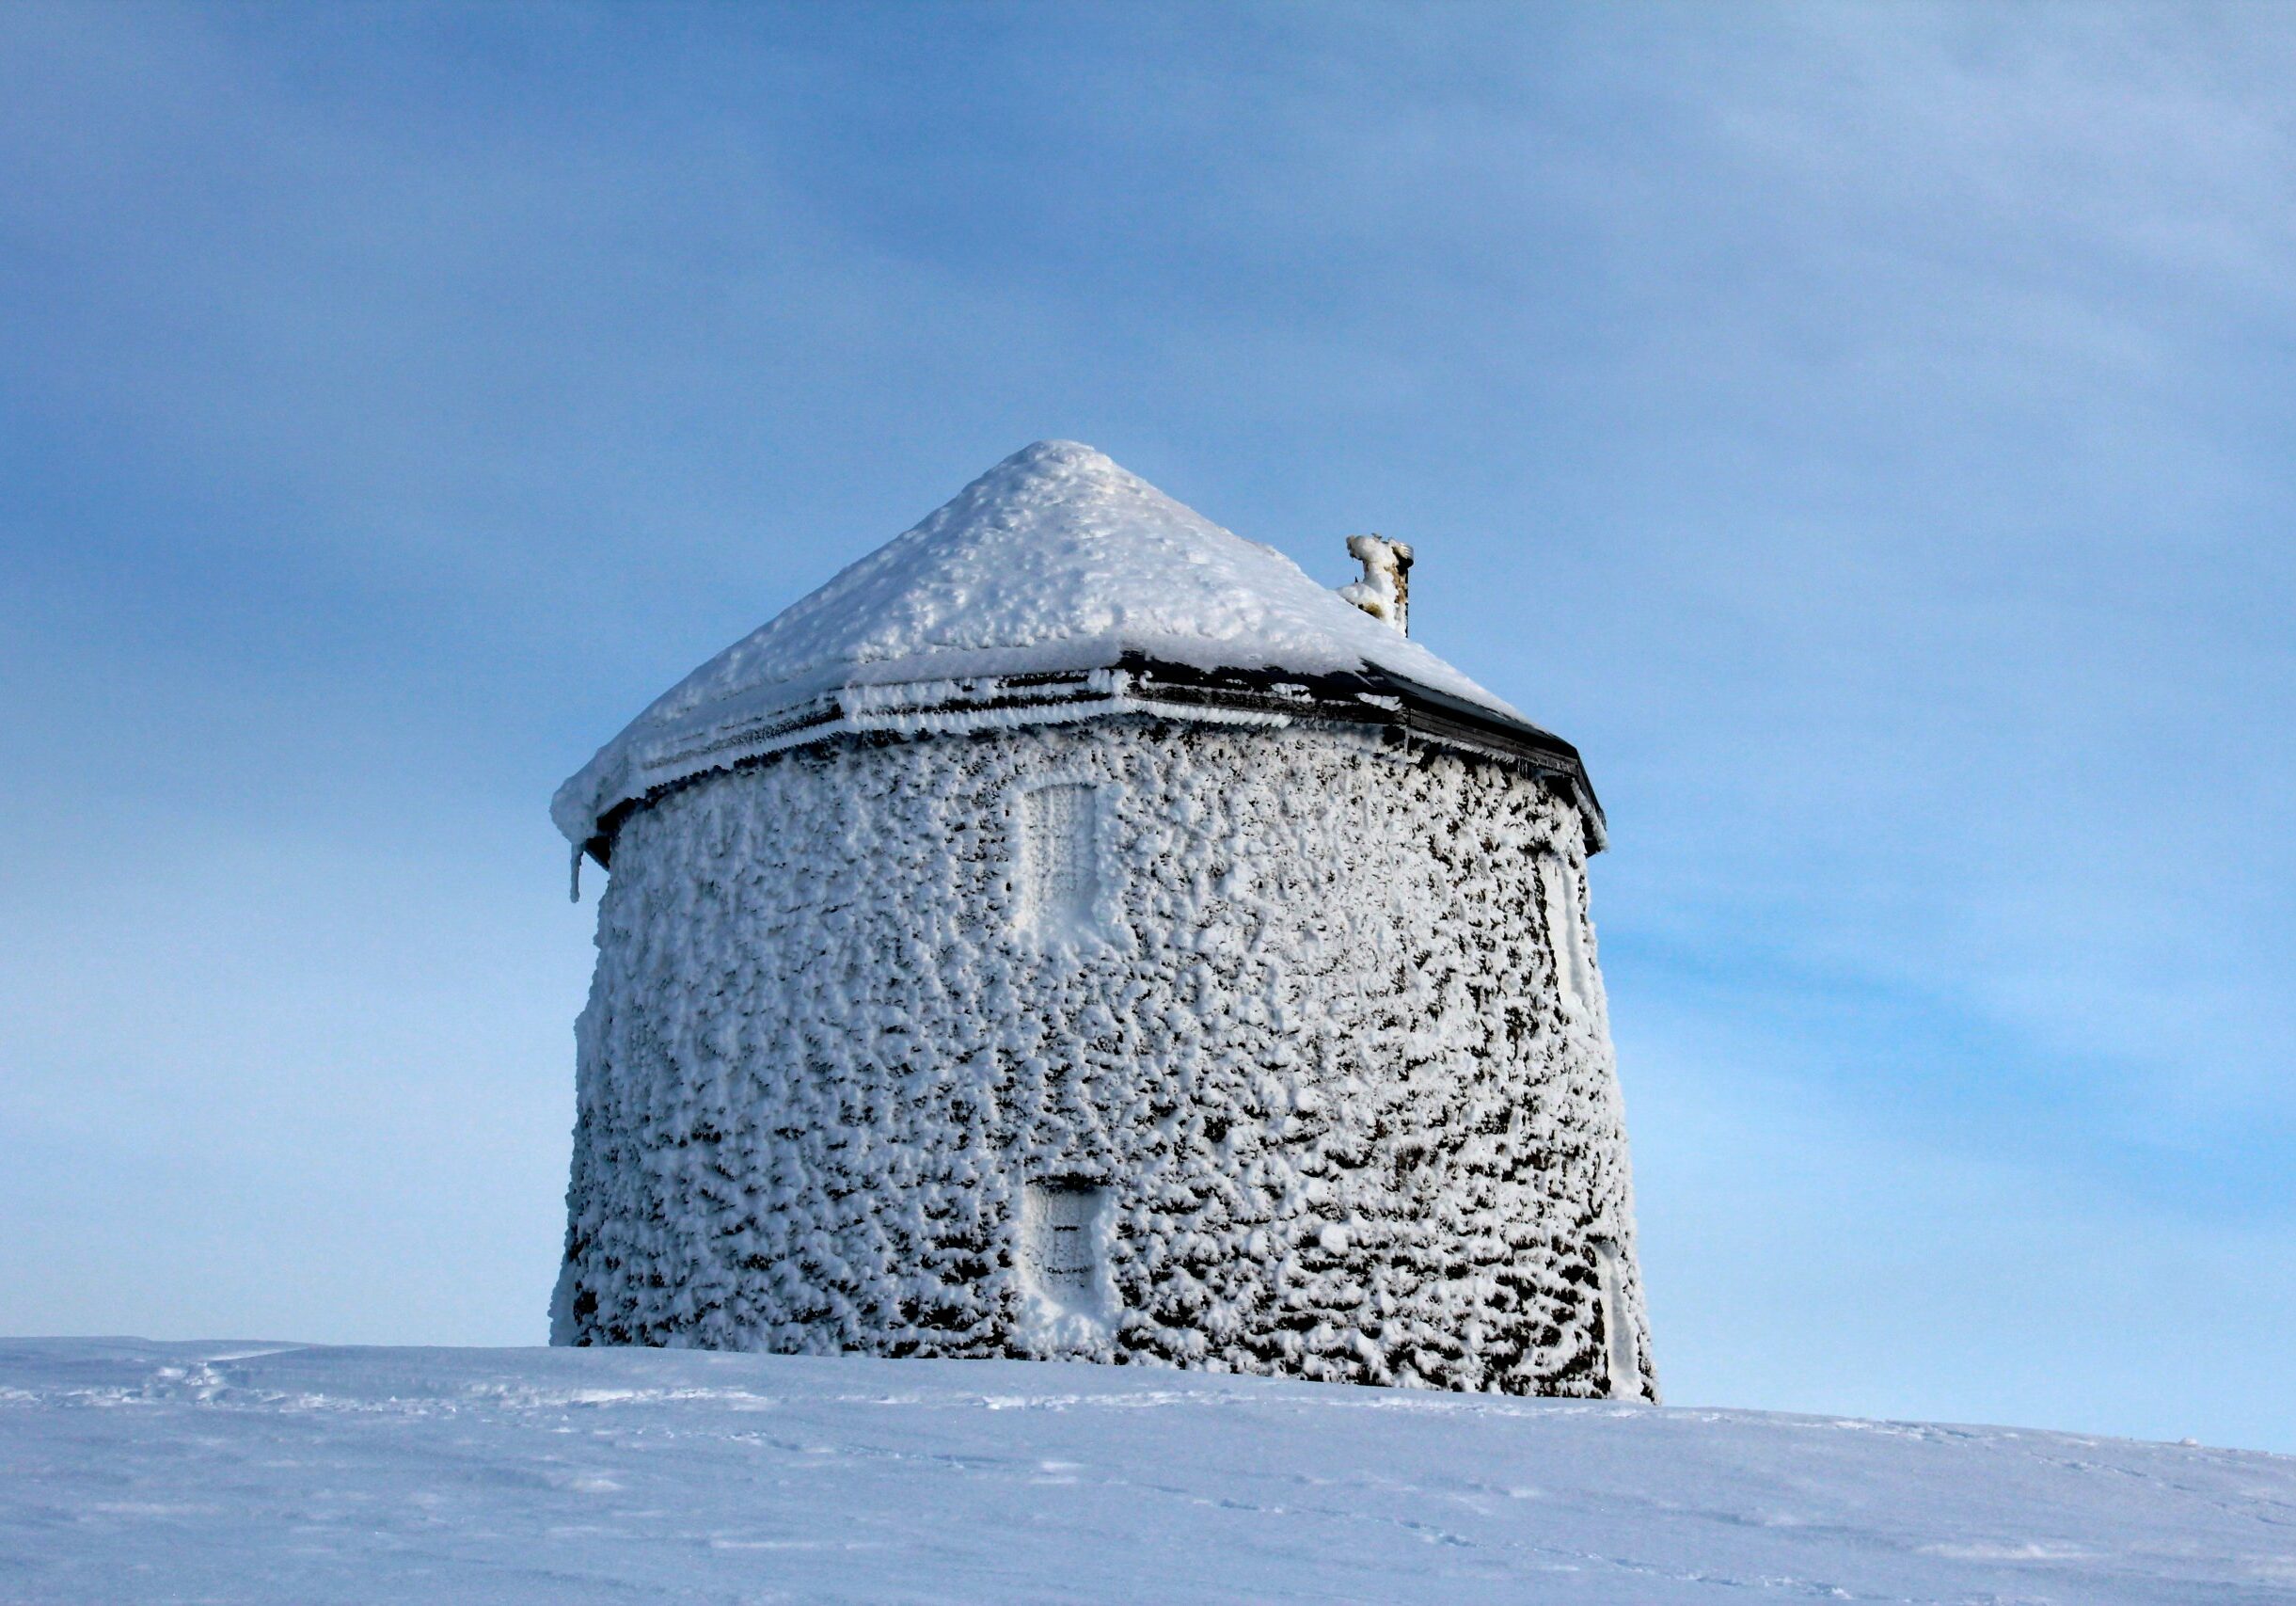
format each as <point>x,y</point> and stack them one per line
<point>1385,708</point>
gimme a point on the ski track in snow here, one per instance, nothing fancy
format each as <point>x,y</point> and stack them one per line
<point>135,1472</point>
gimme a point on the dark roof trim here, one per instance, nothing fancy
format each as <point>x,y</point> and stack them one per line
<point>1375,703</point>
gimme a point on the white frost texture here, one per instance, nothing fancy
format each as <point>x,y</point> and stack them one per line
<point>1207,1037</point>
<point>143,1474</point>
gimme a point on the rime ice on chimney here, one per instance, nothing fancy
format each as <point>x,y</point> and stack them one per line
<point>1072,931</point>
<point>1384,590</point>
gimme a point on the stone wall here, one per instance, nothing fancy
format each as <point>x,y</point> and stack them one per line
<point>1271,1019</point>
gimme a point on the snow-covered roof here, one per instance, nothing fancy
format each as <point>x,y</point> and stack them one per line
<point>1054,561</point>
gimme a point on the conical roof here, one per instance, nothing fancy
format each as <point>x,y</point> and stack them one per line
<point>1054,561</point>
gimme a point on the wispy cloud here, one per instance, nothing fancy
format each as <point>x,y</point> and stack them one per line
<point>1864,430</point>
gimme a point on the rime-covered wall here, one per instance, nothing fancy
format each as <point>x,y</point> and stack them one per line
<point>1296,1014</point>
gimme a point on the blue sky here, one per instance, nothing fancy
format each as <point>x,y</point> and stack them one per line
<point>1865,431</point>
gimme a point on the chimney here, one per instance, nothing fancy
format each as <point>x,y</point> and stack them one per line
<point>1384,590</point>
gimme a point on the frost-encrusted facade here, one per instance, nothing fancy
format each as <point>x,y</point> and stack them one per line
<point>1133,1011</point>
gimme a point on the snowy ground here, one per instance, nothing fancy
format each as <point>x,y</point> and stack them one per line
<point>135,1472</point>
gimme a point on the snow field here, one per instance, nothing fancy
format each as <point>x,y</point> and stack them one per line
<point>134,1472</point>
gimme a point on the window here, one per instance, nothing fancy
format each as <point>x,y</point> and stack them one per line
<point>1058,879</point>
<point>1625,1367</point>
<point>1062,1225</point>
<point>1566,934</point>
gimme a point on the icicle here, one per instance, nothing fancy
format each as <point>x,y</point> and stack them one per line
<point>573,882</point>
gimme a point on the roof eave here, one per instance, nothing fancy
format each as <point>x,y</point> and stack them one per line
<point>1377,703</point>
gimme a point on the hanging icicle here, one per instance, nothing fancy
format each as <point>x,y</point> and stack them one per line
<point>574,880</point>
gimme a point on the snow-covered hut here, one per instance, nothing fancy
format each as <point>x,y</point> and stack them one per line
<point>1072,931</point>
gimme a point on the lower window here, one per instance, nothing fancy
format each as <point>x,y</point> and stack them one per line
<point>1063,1226</point>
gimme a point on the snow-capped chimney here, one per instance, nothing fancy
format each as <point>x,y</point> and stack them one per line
<point>1384,590</point>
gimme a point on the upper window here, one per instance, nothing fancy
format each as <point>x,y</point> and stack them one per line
<point>1057,879</point>
<point>1566,931</point>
